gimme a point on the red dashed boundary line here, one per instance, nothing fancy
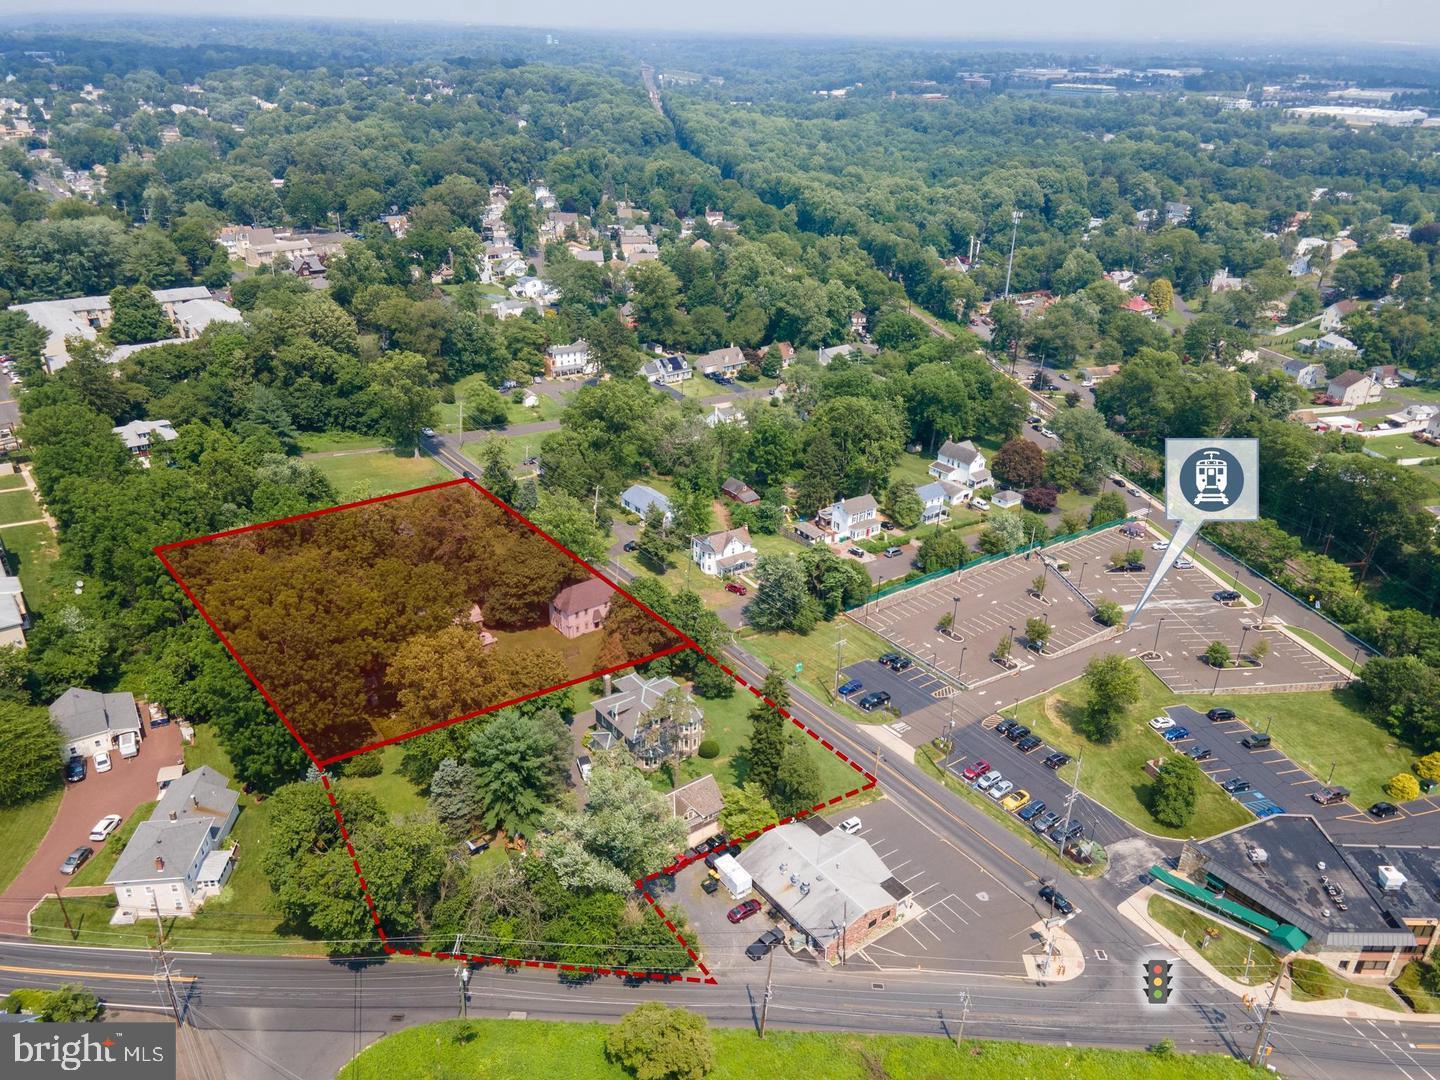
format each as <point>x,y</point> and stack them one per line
<point>681,861</point>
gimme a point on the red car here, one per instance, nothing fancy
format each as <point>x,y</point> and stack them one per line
<point>743,911</point>
<point>975,770</point>
<point>736,588</point>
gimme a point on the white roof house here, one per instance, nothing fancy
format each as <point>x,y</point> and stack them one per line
<point>723,552</point>
<point>140,435</point>
<point>85,316</point>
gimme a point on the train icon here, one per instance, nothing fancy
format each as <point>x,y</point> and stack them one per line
<point>1212,477</point>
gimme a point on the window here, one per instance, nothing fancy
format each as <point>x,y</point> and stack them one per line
<point>1344,965</point>
<point>872,923</point>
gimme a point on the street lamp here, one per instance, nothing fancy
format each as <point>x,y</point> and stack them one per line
<point>1081,579</point>
<point>1356,659</point>
<point>1266,608</point>
<point>954,614</point>
<point>1240,652</point>
<point>1015,216</point>
<point>961,674</point>
<point>1158,625</point>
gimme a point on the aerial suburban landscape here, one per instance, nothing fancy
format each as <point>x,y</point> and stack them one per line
<point>621,549</point>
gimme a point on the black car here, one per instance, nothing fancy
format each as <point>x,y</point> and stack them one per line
<point>874,700</point>
<point>772,937</point>
<point>1018,732</point>
<point>1217,715</point>
<point>886,659</point>
<point>757,949</point>
<point>467,474</point>
<point>75,769</point>
<point>1030,742</point>
<point>1056,899</point>
<point>1004,727</point>
<point>632,545</point>
<point>733,849</point>
<point>1225,596</point>
<point>888,526</point>
<point>1031,812</point>
<point>711,885</point>
<point>1055,761</point>
<point>895,662</point>
<point>1236,786</point>
<point>1075,831</point>
<point>1199,753</point>
<point>1384,810</point>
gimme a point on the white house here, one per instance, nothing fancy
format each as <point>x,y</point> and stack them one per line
<point>935,501</point>
<point>1334,315</point>
<point>851,519</point>
<point>1307,375</point>
<point>140,435</point>
<point>666,370</point>
<point>86,316</point>
<point>724,412</point>
<point>723,552</point>
<point>173,863</point>
<point>1335,342</point>
<point>960,463</point>
<point>638,498</point>
<point>534,288</point>
<point>573,361</point>
<point>90,721</point>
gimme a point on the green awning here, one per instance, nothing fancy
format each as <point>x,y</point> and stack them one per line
<point>1292,937</point>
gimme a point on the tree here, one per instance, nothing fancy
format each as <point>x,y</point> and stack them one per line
<point>136,317</point>
<point>1109,613</point>
<point>1260,649</point>
<point>1176,791</point>
<point>1359,275</point>
<point>453,795</point>
<point>70,1003</point>
<point>1002,648</point>
<point>1038,583</point>
<point>1041,500</point>
<point>1079,269</point>
<point>518,769</point>
<point>1019,463</point>
<point>1402,787</point>
<point>903,504</point>
<point>946,548</point>
<point>1217,654</point>
<point>402,395</point>
<point>657,731</point>
<point>768,726</point>
<point>1428,767</point>
<point>1305,304</point>
<point>1113,685</point>
<point>522,216</point>
<point>1107,508</point>
<point>495,474</point>
<point>1161,296</point>
<point>571,523</point>
<point>655,545</point>
<point>655,1041</point>
<point>1037,632</point>
<point>29,753</point>
<point>797,785</point>
<point>747,810</point>
<point>782,601</point>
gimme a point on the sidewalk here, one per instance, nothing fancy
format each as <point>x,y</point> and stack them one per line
<point>1067,963</point>
<point>1134,909</point>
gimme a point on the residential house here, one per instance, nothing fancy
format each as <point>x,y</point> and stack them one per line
<point>580,608</point>
<point>857,323</point>
<point>14,615</point>
<point>625,710</point>
<point>935,500</point>
<point>1352,388</point>
<point>86,316</point>
<point>1177,213</point>
<point>698,805</point>
<point>666,370</point>
<point>1387,375</point>
<point>1139,305</point>
<point>1333,316</point>
<point>740,491</point>
<point>724,552</point>
<point>960,463</point>
<point>173,862</point>
<point>1341,247</point>
<point>784,348</point>
<point>824,356</point>
<point>723,363</point>
<point>1223,281</point>
<point>257,246</point>
<point>573,361</point>
<point>529,399</point>
<point>724,412</point>
<point>639,498</point>
<point>307,266</point>
<point>1307,374</point>
<point>1299,265</point>
<point>398,224</point>
<point>851,519</point>
<point>140,435</point>
<point>534,288</point>
<point>90,721</point>
<point>1089,376</point>
<point>510,309</point>
<point>1125,279</point>
<point>1005,500</point>
<point>1335,343</point>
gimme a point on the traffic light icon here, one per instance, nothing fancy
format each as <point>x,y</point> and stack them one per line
<point>1157,981</point>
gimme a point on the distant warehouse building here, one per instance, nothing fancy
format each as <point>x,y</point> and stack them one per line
<point>829,885</point>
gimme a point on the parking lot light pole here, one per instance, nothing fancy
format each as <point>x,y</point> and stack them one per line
<point>1240,652</point>
<point>1330,774</point>
<point>962,662</point>
<point>954,614</point>
<point>1266,608</point>
<point>1356,660</point>
<point>1081,579</point>
<point>1158,625</point>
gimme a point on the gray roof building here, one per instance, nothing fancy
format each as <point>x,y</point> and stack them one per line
<point>201,795</point>
<point>161,851</point>
<point>81,714</point>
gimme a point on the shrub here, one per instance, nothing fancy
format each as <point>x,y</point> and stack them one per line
<point>364,765</point>
<point>1402,787</point>
<point>1217,654</point>
<point>1109,613</point>
<point>1428,767</point>
<point>1176,791</point>
<point>709,749</point>
<point>657,1042</point>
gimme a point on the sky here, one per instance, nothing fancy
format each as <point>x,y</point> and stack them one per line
<point>1340,22</point>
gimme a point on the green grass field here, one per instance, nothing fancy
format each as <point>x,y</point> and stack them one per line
<point>21,830</point>
<point>1114,773</point>
<point>1402,446</point>
<point>17,506</point>
<point>1227,951</point>
<point>1411,984</point>
<point>11,482</point>
<point>815,652</point>
<point>1345,660</point>
<point>522,1049</point>
<point>34,551</point>
<point>1313,981</point>
<point>364,475</point>
<point>107,853</point>
<point>320,442</point>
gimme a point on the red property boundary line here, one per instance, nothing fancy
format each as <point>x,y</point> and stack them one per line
<point>642,885</point>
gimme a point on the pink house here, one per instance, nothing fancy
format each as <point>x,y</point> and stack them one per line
<point>580,608</point>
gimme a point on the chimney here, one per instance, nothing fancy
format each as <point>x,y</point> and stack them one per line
<point>173,816</point>
<point>159,863</point>
<point>607,685</point>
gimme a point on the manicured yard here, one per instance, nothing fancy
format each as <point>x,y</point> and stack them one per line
<point>107,853</point>
<point>1227,951</point>
<point>548,408</point>
<point>816,653</point>
<point>364,475</point>
<point>21,830</point>
<point>1313,981</point>
<point>1402,446</point>
<point>16,506</point>
<point>320,442</point>
<point>522,1049</point>
<point>1321,729</point>
<point>33,552</point>
<point>11,482</point>
<point>1411,985</point>
<point>681,574</point>
<point>1114,773</point>
<point>394,792</point>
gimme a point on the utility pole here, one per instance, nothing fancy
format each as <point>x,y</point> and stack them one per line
<point>164,961</point>
<point>461,402</point>
<point>65,914</point>
<point>1015,216</point>
<point>964,1013</point>
<point>840,643</point>
<point>1249,950</point>
<point>462,978</point>
<point>1265,1023</point>
<point>769,992</point>
<point>1070,807</point>
<point>595,508</point>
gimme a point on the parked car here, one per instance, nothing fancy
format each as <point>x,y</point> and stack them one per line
<point>733,849</point>
<point>1329,796</point>
<point>104,827</point>
<point>774,936</point>
<point>849,687</point>
<point>1383,810</point>
<point>980,504</point>
<point>102,762</point>
<point>1045,822</point>
<point>893,552</point>
<point>1216,715</point>
<point>1160,545</point>
<point>475,847</point>
<point>1175,734</point>
<point>1064,377</point>
<point>1057,760</point>
<point>1032,811</point>
<point>874,700</point>
<point>859,553</point>
<point>743,911</point>
<point>1137,493</point>
<point>1029,743</point>
<point>158,716</point>
<point>1018,732</point>
<point>1015,800</point>
<point>1074,832</point>
<point>632,545</point>
<point>1000,789</point>
<point>1048,433</point>
<point>1256,740</point>
<point>849,825</point>
<point>76,859</point>
<point>888,526</point>
<point>75,769</point>
<point>976,769</point>
<point>1161,723</point>
<point>758,949</point>
<point>1057,900</point>
<point>1199,753</point>
<point>1004,726</point>
<point>736,588</point>
<point>711,885</point>
<point>1184,562</point>
<point>1235,786</point>
<point>989,780</point>
<point>129,743</point>
<point>1225,596</point>
<point>895,662</point>
<point>428,432</point>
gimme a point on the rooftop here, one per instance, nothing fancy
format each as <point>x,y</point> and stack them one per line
<point>583,595</point>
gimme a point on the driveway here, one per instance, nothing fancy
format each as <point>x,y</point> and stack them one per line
<point>127,785</point>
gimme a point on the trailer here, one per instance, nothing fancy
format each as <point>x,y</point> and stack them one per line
<point>733,876</point>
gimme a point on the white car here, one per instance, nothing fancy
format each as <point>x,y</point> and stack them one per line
<point>1162,723</point>
<point>989,780</point>
<point>1137,493</point>
<point>102,762</point>
<point>1000,790</point>
<point>428,432</point>
<point>1048,433</point>
<point>850,825</point>
<point>1160,545</point>
<point>1184,563</point>
<point>980,504</point>
<point>105,826</point>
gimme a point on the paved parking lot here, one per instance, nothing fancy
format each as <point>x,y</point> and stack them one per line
<point>910,691</point>
<point>723,943</point>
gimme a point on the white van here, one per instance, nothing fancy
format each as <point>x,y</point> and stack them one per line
<point>129,744</point>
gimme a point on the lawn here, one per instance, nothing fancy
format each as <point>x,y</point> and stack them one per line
<point>1402,446</point>
<point>33,551</point>
<point>364,475</point>
<point>394,792</point>
<point>21,830</point>
<point>522,1049</point>
<point>1313,981</point>
<point>11,481</point>
<point>18,506</point>
<point>107,853</point>
<point>1227,952</point>
<point>1321,729</point>
<point>1114,773</point>
<point>1345,660</point>
<point>515,413</point>
<point>206,750</point>
<point>682,573</point>
<point>815,652</point>
<point>320,442</point>
<point>1411,985</point>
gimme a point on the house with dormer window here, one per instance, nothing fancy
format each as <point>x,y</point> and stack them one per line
<point>629,713</point>
<point>723,552</point>
<point>850,519</point>
<point>960,463</point>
